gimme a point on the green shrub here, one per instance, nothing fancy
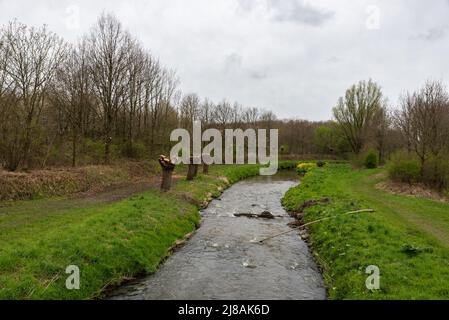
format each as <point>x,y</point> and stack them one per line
<point>305,167</point>
<point>320,164</point>
<point>93,150</point>
<point>436,172</point>
<point>134,151</point>
<point>371,160</point>
<point>403,168</point>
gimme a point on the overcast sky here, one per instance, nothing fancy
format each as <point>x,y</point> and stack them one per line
<point>294,57</point>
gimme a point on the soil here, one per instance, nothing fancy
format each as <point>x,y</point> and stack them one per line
<point>416,190</point>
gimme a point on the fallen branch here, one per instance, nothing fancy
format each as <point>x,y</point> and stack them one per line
<point>263,215</point>
<point>317,221</point>
<point>344,214</point>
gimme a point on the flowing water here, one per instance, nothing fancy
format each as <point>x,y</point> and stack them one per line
<point>224,260</point>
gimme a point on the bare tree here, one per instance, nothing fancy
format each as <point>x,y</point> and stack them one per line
<point>189,110</point>
<point>34,55</point>
<point>108,49</point>
<point>71,94</point>
<point>424,121</point>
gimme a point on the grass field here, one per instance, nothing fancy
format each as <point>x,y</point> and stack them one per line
<point>406,237</point>
<point>109,242</point>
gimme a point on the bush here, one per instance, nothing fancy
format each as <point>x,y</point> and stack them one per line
<point>305,167</point>
<point>371,160</point>
<point>93,150</point>
<point>134,151</point>
<point>320,164</point>
<point>436,172</point>
<point>402,168</point>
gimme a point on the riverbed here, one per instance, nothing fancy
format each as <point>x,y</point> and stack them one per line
<point>224,259</point>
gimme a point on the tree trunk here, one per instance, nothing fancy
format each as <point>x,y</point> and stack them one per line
<point>107,151</point>
<point>192,171</point>
<point>167,171</point>
<point>74,147</point>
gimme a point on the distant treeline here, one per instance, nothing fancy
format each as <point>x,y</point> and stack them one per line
<point>107,97</point>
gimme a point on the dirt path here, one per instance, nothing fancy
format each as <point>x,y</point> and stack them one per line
<point>30,211</point>
<point>427,214</point>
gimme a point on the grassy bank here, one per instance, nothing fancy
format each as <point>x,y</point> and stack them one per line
<point>108,242</point>
<point>407,238</point>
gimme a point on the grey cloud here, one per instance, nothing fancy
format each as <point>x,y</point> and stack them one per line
<point>295,11</point>
<point>332,60</point>
<point>433,34</point>
<point>257,75</point>
<point>259,53</point>
<point>233,63</point>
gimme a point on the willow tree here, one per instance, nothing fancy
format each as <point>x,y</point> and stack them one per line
<point>357,111</point>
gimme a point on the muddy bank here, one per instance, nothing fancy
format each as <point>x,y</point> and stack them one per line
<point>224,260</point>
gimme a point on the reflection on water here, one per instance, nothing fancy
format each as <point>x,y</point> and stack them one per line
<point>224,259</point>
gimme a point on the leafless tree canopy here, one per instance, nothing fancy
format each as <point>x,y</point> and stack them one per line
<point>424,121</point>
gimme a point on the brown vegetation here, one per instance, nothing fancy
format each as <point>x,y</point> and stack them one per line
<point>68,181</point>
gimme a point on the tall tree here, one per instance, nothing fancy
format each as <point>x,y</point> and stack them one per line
<point>108,49</point>
<point>33,57</point>
<point>356,111</point>
<point>71,94</point>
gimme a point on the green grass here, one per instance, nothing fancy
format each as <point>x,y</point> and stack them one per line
<point>108,242</point>
<point>407,238</point>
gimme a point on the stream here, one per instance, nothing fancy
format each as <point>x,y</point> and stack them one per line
<point>225,261</point>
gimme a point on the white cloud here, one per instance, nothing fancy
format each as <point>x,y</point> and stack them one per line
<point>294,57</point>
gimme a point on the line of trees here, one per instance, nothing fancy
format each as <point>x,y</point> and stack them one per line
<point>415,136</point>
<point>106,88</point>
<point>104,97</point>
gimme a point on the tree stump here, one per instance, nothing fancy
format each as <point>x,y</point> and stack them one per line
<point>206,158</point>
<point>167,172</point>
<point>192,170</point>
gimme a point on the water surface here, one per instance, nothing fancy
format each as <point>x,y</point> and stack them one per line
<point>224,260</point>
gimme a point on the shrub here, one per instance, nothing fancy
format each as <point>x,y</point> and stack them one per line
<point>371,160</point>
<point>93,150</point>
<point>320,164</point>
<point>134,151</point>
<point>305,167</point>
<point>403,169</point>
<point>436,172</point>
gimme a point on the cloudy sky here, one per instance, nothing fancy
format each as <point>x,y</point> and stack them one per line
<point>295,57</point>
